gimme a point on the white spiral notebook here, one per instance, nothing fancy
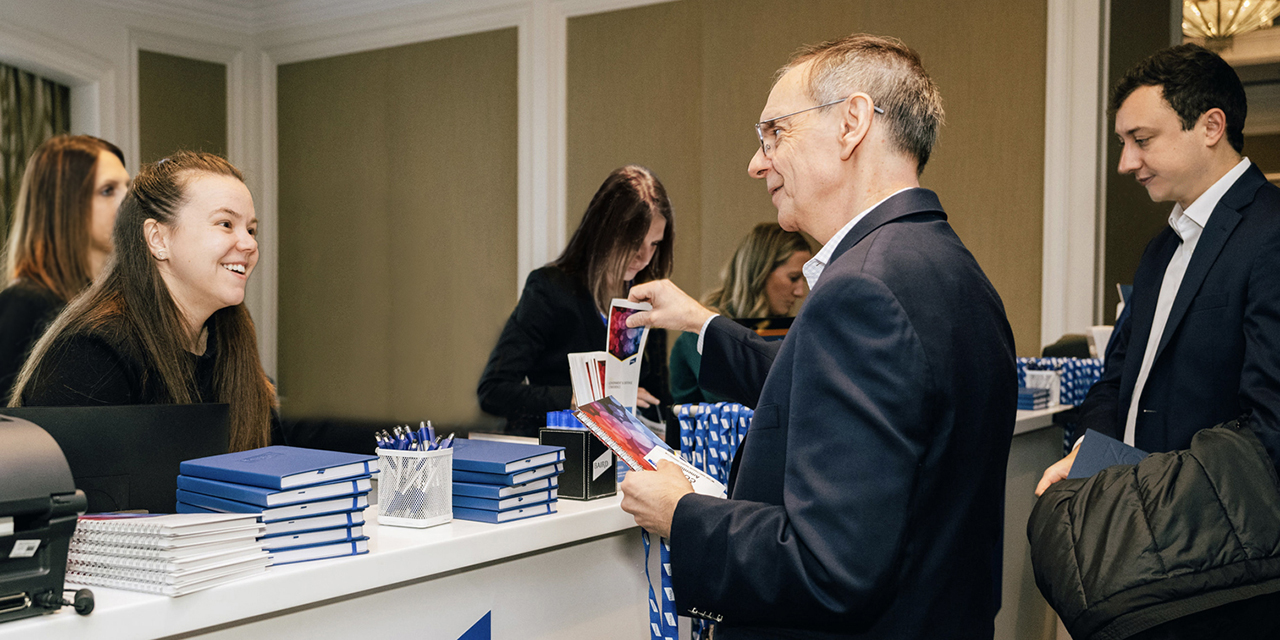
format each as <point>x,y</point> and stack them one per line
<point>168,554</point>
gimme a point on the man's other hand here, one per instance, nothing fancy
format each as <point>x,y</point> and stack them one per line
<point>651,496</point>
<point>672,308</point>
<point>644,399</point>
<point>1057,471</point>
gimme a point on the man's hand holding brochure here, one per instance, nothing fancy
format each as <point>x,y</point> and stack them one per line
<point>644,452</point>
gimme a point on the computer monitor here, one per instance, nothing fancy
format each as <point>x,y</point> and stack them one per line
<point>126,457</point>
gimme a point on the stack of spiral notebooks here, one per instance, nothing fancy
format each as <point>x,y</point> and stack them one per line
<point>172,554</point>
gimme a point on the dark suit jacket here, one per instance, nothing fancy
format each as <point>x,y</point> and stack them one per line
<point>1219,356</point>
<point>556,316</point>
<point>867,498</point>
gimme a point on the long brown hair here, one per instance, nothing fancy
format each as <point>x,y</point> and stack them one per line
<point>132,304</point>
<point>613,229</point>
<point>742,281</point>
<point>49,239</point>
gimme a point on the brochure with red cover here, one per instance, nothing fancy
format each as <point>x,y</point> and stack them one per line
<point>636,445</point>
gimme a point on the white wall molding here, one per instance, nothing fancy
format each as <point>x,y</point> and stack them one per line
<point>542,138</point>
<point>265,289</point>
<point>1075,75</point>
<point>232,57</point>
<point>541,25</point>
<point>92,79</point>
<point>424,23</point>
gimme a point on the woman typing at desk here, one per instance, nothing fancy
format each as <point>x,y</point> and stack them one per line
<point>166,322</point>
<point>625,238</point>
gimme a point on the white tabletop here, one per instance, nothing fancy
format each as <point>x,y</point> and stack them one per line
<point>395,555</point>
<point>1029,421</point>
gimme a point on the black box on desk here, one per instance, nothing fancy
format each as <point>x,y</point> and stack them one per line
<point>589,466</point>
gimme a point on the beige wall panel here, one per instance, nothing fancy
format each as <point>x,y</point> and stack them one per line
<point>634,89</point>
<point>182,104</point>
<point>1139,28</point>
<point>334,293</point>
<point>398,216</point>
<point>987,167</point>
<point>743,45</point>
<point>1264,151</point>
<point>453,211</point>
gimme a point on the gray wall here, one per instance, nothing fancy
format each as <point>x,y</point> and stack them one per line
<point>677,87</point>
<point>397,227</point>
<point>182,104</point>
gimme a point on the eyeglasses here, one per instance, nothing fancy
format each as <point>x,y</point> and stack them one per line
<point>769,137</point>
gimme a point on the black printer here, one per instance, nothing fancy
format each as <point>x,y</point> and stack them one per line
<point>39,504</point>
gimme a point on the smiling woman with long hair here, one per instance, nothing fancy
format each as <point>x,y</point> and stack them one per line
<point>166,323</point>
<point>59,240</point>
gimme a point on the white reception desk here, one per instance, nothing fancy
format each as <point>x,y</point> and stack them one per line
<point>578,573</point>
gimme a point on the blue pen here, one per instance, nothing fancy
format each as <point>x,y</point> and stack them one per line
<point>448,442</point>
<point>431,432</point>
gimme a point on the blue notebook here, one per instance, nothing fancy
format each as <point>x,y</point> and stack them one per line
<point>489,456</point>
<point>321,551</point>
<point>494,491</point>
<point>191,508</point>
<point>495,517</point>
<point>508,479</point>
<point>504,504</point>
<point>312,538</point>
<point>280,467</point>
<point>271,514</point>
<point>312,523</point>
<point>1098,452</point>
<point>264,497</point>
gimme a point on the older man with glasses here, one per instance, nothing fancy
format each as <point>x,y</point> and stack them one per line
<point>866,500</point>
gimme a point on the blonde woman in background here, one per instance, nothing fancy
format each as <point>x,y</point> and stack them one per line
<point>763,279</point>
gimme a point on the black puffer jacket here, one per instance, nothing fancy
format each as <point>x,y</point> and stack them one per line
<point>1135,546</point>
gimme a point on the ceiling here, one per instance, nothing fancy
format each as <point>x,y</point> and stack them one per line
<point>256,16</point>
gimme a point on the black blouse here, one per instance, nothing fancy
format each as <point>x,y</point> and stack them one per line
<point>26,310</point>
<point>556,316</point>
<point>105,368</point>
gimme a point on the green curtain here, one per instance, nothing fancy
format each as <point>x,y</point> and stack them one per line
<point>32,110</point>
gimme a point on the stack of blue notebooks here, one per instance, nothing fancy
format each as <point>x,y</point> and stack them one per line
<point>504,481</point>
<point>1031,399</point>
<point>312,502</point>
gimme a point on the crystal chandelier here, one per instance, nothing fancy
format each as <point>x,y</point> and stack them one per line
<point>1217,21</point>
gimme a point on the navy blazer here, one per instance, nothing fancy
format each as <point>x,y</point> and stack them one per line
<point>867,498</point>
<point>1219,356</point>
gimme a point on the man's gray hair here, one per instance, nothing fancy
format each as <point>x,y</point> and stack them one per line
<point>888,71</point>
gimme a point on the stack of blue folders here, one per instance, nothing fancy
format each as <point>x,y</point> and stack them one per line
<point>1030,399</point>
<point>504,481</point>
<point>312,502</point>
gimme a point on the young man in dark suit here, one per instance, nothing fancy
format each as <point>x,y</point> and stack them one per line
<point>866,499</point>
<point>1203,342</point>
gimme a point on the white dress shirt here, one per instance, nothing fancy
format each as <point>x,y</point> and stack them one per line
<point>1189,225</point>
<point>814,267</point>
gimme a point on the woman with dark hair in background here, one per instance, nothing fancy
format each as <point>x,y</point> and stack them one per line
<point>166,322</point>
<point>625,238</point>
<point>763,279</point>
<point>59,240</point>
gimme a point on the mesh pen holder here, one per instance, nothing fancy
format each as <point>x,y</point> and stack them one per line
<point>415,488</point>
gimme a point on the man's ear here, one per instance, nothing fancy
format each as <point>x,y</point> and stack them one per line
<point>1214,122</point>
<point>157,237</point>
<point>857,114</point>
